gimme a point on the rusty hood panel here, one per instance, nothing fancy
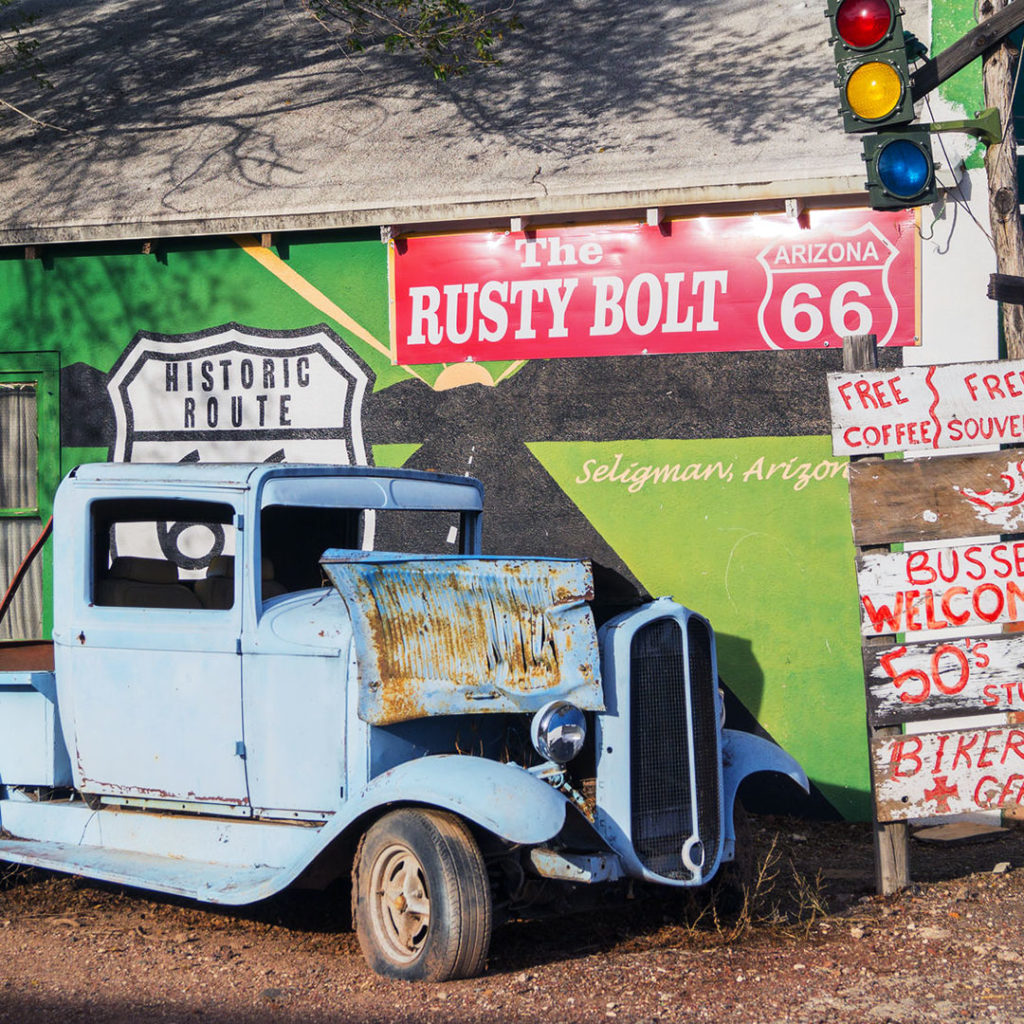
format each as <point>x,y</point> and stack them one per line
<point>445,635</point>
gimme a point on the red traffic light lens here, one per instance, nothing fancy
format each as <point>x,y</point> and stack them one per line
<point>863,23</point>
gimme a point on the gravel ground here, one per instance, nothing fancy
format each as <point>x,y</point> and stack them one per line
<point>812,944</point>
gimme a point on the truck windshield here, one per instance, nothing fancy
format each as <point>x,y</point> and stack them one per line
<point>294,537</point>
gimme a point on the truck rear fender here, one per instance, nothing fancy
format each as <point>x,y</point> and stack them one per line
<point>744,754</point>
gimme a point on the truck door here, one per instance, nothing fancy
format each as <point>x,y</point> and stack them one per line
<point>155,664</point>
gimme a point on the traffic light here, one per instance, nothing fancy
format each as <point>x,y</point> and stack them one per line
<point>900,168</point>
<point>875,95</point>
<point>872,70</point>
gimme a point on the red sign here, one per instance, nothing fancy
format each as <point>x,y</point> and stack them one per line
<point>712,284</point>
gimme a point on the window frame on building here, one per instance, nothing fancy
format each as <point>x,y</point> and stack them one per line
<point>41,370</point>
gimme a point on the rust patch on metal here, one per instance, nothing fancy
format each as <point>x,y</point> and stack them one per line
<point>153,793</point>
<point>449,636</point>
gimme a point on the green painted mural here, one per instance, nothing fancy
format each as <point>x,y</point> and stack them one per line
<point>86,303</point>
<point>950,20</point>
<point>724,494</point>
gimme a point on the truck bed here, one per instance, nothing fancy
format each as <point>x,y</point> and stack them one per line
<point>26,656</point>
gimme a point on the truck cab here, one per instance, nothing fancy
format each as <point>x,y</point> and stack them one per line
<point>267,675</point>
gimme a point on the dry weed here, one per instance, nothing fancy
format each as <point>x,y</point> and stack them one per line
<point>773,894</point>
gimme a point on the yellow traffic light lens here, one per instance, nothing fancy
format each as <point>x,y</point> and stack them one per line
<point>874,90</point>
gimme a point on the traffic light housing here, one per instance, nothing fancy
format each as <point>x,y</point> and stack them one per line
<point>900,168</point>
<point>872,69</point>
<point>872,58</point>
<point>875,96</point>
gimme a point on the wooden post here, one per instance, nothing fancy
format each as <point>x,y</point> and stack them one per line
<point>1001,168</point>
<point>1004,205</point>
<point>892,846</point>
<point>860,352</point>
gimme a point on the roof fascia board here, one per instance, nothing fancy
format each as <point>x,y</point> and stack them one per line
<point>439,213</point>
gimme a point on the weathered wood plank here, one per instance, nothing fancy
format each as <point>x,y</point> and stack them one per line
<point>927,408</point>
<point>860,352</point>
<point>891,839</point>
<point>937,498</point>
<point>1006,288</point>
<point>958,588</point>
<point>949,772</point>
<point>968,47</point>
<point>944,678</point>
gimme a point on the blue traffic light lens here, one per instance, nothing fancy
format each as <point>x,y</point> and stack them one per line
<point>903,169</point>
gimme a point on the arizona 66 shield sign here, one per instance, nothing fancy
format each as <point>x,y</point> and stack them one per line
<point>702,285</point>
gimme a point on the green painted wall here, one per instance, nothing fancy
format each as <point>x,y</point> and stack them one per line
<point>755,534</point>
<point>950,20</point>
<point>87,305</point>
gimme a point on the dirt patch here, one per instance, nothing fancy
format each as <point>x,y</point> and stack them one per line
<point>811,943</point>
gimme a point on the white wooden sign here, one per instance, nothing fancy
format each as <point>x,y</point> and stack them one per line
<point>944,678</point>
<point>958,588</point>
<point>922,775</point>
<point>927,408</point>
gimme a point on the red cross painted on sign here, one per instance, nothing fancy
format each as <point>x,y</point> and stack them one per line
<point>941,793</point>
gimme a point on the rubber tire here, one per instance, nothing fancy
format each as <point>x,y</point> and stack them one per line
<point>437,849</point>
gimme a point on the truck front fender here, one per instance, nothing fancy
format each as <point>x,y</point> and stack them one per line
<point>744,754</point>
<point>502,798</point>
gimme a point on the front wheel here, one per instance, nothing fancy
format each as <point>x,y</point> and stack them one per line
<point>421,897</point>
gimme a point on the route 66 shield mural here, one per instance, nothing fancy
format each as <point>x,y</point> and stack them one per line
<point>830,285</point>
<point>234,394</point>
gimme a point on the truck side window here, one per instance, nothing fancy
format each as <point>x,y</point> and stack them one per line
<point>293,537</point>
<point>162,553</point>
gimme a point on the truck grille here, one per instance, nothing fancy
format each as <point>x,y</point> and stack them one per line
<point>663,816</point>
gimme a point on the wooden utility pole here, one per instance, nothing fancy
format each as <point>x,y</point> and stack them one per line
<point>998,66</point>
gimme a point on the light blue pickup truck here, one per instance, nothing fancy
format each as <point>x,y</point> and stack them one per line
<point>273,675</point>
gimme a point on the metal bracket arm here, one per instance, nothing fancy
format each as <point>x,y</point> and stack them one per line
<point>986,126</point>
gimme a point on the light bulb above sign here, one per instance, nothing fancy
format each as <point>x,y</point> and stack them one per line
<point>712,284</point>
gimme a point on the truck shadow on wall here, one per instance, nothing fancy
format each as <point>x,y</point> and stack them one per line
<point>763,793</point>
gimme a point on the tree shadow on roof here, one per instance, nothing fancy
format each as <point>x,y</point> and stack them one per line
<point>176,104</point>
<point>584,69</point>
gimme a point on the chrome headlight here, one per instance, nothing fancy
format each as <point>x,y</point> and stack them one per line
<point>558,731</point>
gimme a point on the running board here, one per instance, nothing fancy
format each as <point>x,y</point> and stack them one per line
<point>165,852</point>
<point>200,880</point>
